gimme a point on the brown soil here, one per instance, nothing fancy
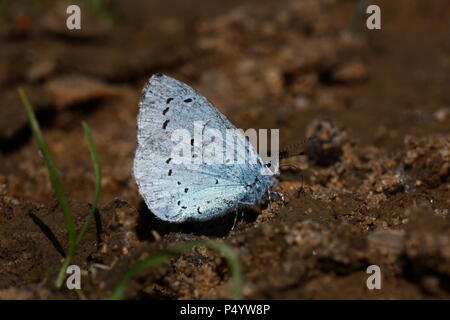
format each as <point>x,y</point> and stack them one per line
<point>372,189</point>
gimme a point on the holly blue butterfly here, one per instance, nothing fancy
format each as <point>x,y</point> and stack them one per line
<point>201,188</point>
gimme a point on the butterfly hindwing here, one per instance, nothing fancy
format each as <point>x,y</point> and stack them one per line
<point>189,190</point>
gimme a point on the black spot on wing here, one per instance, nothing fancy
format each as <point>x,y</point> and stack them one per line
<point>169,100</point>
<point>165,111</point>
<point>188,100</point>
<point>165,124</point>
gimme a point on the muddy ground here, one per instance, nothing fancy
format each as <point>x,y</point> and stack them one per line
<point>373,187</point>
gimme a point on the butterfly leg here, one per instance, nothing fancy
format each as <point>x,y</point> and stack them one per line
<point>236,213</point>
<point>269,194</point>
<point>279,195</point>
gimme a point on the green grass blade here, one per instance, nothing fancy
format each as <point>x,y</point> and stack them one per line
<point>155,259</point>
<point>54,178</point>
<point>233,264</point>
<point>165,255</point>
<point>98,174</point>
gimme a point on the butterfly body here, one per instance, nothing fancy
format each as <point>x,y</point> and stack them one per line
<point>201,188</point>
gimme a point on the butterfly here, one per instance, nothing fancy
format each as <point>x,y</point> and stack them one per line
<point>201,187</point>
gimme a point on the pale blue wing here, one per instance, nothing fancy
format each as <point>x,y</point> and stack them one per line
<point>179,192</point>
